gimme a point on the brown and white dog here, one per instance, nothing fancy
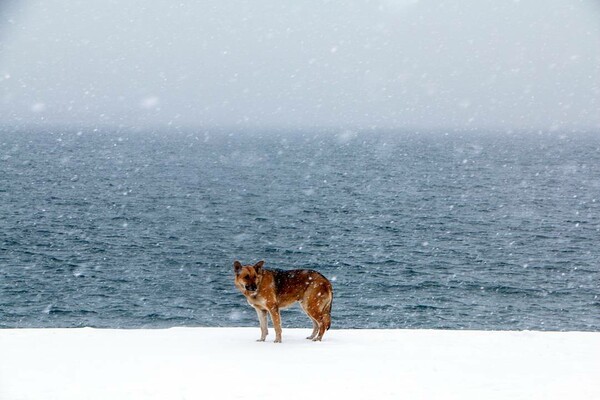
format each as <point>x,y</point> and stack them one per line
<point>269,290</point>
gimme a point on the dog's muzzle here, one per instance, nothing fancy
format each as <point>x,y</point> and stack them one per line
<point>251,288</point>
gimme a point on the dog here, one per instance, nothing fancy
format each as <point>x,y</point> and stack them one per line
<point>269,290</point>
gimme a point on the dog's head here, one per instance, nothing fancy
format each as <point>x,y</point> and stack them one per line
<point>248,277</point>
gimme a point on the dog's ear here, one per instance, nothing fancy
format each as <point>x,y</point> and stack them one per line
<point>258,266</point>
<point>237,266</point>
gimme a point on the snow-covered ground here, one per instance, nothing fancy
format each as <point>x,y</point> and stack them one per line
<point>227,363</point>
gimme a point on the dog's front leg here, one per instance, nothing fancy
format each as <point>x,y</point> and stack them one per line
<point>262,318</point>
<point>276,318</point>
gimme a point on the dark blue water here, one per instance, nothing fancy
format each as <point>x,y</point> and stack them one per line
<point>471,231</point>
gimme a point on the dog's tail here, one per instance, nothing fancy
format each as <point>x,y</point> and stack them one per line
<point>328,313</point>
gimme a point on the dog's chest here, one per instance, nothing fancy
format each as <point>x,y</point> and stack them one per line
<point>257,301</point>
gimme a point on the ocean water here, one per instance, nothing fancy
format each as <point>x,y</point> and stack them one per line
<point>415,230</point>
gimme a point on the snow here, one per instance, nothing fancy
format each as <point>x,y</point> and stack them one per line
<point>227,363</point>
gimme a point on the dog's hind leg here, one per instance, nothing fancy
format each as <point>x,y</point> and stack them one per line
<point>324,324</point>
<point>262,318</point>
<point>315,330</point>
<point>317,317</point>
<point>325,320</point>
<point>314,322</point>
<point>321,312</point>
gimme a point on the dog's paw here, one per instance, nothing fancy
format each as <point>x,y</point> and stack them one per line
<point>277,341</point>
<point>260,340</point>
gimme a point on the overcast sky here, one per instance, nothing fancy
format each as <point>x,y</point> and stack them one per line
<point>464,64</point>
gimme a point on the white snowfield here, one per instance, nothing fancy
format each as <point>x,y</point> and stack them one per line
<point>228,363</point>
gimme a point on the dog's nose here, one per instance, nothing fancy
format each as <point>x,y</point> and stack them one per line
<point>251,288</point>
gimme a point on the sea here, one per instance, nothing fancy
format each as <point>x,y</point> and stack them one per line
<point>421,230</point>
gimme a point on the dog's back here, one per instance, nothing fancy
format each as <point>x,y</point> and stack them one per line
<point>297,280</point>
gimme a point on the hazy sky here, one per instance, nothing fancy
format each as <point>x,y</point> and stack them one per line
<point>502,64</point>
